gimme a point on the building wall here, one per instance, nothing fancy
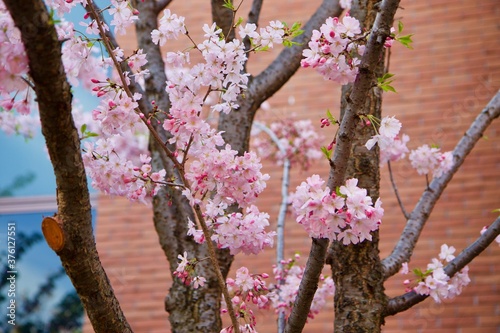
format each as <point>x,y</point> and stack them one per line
<point>442,84</point>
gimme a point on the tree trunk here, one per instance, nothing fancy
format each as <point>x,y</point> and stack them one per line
<point>357,270</point>
<point>199,310</point>
<point>72,226</point>
<point>190,310</point>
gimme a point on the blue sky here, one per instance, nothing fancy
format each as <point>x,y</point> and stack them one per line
<point>21,157</point>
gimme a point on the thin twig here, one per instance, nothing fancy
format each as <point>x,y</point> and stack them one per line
<point>161,4</point>
<point>280,227</point>
<point>215,263</point>
<point>396,192</point>
<point>418,217</point>
<point>356,103</point>
<point>253,17</point>
<point>180,168</point>
<point>107,44</point>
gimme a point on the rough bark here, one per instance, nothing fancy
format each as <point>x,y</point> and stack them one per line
<point>356,269</point>
<point>78,254</point>
<point>238,123</point>
<point>223,17</point>
<point>355,106</point>
<point>189,310</point>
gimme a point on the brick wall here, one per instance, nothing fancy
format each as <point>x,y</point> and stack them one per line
<point>442,84</point>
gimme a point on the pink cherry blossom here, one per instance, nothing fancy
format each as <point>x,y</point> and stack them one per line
<point>447,253</point>
<point>426,159</point>
<point>283,293</point>
<point>389,127</point>
<point>349,217</point>
<point>170,26</point>
<point>298,138</point>
<point>392,146</point>
<point>436,283</point>
<point>246,289</point>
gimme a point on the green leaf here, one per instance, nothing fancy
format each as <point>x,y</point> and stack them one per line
<point>387,87</point>
<point>331,117</point>
<point>418,272</point>
<point>83,128</point>
<point>240,20</point>
<point>405,40</point>
<point>91,134</point>
<point>296,26</point>
<point>400,27</point>
<point>228,4</point>
<point>297,33</point>
<point>387,76</point>
<point>384,82</point>
<point>327,152</point>
<point>337,192</point>
<point>52,19</point>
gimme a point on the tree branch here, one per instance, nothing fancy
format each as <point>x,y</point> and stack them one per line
<point>280,225</point>
<point>269,81</point>
<point>161,5</point>
<point>396,192</point>
<point>253,17</point>
<point>171,209</point>
<point>224,18</point>
<point>356,103</point>
<point>96,14</point>
<point>406,301</point>
<point>418,217</point>
<point>254,14</point>
<point>155,83</point>
<point>237,124</point>
<point>78,253</point>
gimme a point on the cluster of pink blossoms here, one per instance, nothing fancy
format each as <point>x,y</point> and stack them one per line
<point>217,178</point>
<point>243,232</point>
<point>116,175</point>
<point>282,294</point>
<point>434,281</point>
<point>221,73</point>
<point>62,7</point>
<point>427,159</point>
<point>16,97</point>
<point>116,114</point>
<point>186,272</point>
<point>111,162</point>
<point>424,159</point>
<point>392,146</point>
<point>266,37</point>
<point>169,27</point>
<point>334,49</point>
<point>349,216</point>
<point>246,289</point>
<point>298,138</point>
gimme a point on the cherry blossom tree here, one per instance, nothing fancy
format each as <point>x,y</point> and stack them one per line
<point>154,143</point>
